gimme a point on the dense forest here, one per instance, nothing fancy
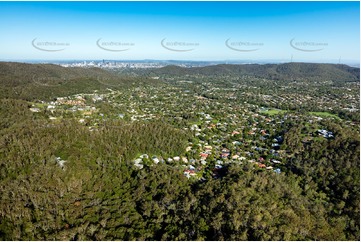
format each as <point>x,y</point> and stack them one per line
<point>65,179</point>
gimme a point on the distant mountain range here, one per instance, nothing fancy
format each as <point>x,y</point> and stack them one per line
<point>295,71</point>
<point>37,81</point>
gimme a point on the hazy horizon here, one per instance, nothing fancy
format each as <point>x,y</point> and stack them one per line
<point>169,62</point>
<point>320,32</point>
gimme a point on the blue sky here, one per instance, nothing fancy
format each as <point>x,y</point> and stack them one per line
<point>320,31</point>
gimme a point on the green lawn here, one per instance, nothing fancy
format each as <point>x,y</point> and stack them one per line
<point>325,115</point>
<point>39,105</point>
<point>199,122</point>
<point>274,111</point>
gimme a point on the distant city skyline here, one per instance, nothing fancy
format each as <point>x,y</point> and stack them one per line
<point>256,32</point>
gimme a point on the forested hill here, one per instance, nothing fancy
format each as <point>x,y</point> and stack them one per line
<point>330,72</point>
<point>179,158</point>
<point>14,73</point>
<point>44,81</point>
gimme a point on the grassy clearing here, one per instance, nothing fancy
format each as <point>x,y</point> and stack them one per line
<point>274,111</point>
<point>325,115</point>
<point>38,105</point>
